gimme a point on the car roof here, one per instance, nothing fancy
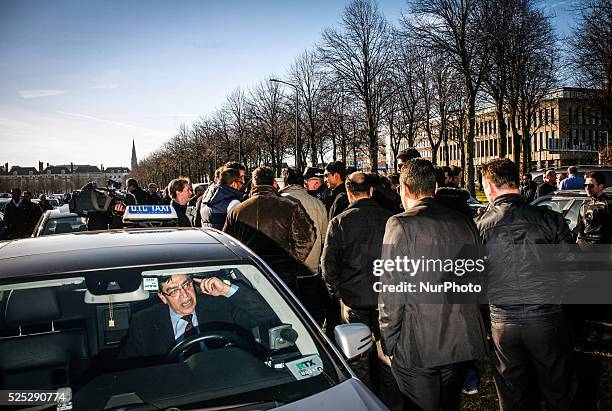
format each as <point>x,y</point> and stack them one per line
<point>571,194</point>
<point>76,253</point>
<point>59,213</point>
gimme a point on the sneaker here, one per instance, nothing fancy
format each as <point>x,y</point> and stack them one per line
<point>470,391</point>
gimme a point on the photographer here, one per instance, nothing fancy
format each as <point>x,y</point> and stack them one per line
<point>141,196</point>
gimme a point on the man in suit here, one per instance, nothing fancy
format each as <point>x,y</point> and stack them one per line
<point>430,339</point>
<point>155,330</point>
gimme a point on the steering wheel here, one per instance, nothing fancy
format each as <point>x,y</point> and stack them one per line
<point>225,338</point>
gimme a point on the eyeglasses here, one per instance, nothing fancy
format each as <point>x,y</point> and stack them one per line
<point>174,292</point>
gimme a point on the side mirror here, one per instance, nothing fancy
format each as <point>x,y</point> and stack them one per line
<point>353,339</point>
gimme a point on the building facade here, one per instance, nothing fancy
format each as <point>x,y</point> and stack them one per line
<point>58,179</point>
<point>565,131</point>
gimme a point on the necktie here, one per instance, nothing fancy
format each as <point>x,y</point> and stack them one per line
<point>190,331</point>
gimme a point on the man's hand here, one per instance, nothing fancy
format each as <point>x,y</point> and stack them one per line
<point>212,286</point>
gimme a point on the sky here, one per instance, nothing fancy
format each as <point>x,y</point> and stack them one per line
<point>81,79</point>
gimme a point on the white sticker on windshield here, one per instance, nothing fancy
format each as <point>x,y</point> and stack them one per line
<point>150,284</point>
<point>306,367</point>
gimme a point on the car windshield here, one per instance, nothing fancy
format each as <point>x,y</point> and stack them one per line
<point>67,224</point>
<point>159,337</point>
<point>554,204</point>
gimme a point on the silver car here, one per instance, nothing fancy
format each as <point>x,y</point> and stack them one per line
<point>70,302</point>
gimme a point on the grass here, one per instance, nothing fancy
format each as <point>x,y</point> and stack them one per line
<point>486,399</point>
<point>480,196</point>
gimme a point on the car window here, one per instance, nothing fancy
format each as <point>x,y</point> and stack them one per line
<point>61,225</point>
<point>555,204</point>
<point>108,338</point>
<point>572,214</point>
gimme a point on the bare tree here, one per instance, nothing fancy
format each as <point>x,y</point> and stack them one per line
<point>532,72</point>
<point>306,73</point>
<point>591,54</point>
<point>358,54</point>
<point>458,29</point>
<point>270,125</point>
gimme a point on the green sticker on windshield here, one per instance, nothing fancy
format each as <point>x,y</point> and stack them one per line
<point>306,367</point>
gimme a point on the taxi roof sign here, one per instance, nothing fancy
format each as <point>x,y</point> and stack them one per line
<point>139,213</point>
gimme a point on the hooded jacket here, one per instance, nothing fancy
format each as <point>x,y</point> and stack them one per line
<point>215,203</point>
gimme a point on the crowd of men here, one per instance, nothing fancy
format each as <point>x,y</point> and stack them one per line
<point>331,224</point>
<point>552,182</point>
<point>322,230</point>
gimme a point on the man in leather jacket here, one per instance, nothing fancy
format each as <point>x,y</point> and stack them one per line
<point>529,331</point>
<point>595,217</point>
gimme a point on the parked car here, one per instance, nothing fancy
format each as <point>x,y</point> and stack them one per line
<point>538,176</point>
<point>59,222</point>
<point>566,202</point>
<point>67,304</point>
<point>3,228</point>
<point>3,202</point>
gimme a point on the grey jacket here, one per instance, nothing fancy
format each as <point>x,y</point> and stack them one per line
<point>317,213</point>
<point>436,333</point>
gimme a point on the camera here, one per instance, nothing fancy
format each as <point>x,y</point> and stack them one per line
<point>91,199</point>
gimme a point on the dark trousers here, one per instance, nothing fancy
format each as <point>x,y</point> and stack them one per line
<point>431,389</point>
<point>373,369</point>
<point>536,353</point>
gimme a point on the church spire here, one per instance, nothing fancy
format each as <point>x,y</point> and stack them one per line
<point>134,159</point>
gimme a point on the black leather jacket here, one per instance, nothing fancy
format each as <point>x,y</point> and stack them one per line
<point>354,240</point>
<point>522,283</point>
<point>595,221</point>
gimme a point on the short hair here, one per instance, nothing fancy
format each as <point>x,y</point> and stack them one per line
<point>359,183</point>
<point>178,184</point>
<point>27,193</point>
<point>16,189</point>
<point>218,172</point>
<point>502,172</point>
<point>419,176</point>
<point>572,170</point>
<point>440,179</point>
<point>235,165</point>
<point>456,170</point>
<point>597,176</point>
<point>337,167</point>
<point>263,176</point>
<point>292,176</point>
<point>528,175</point>
<point>394,178</point>
<point>131,182</point>
<point>229,176</point>
<point>408,154</point>
<point>447,170</point>
<point>152,185</point>
<point>549,173</point>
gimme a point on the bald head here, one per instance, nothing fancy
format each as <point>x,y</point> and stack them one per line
<point>358,186</point>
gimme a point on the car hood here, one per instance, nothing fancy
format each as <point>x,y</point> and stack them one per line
<point>352,395</point>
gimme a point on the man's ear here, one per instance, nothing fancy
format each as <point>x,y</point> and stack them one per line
<point>162,298</point>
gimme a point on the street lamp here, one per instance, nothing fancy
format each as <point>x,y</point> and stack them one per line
<point>298,164</point>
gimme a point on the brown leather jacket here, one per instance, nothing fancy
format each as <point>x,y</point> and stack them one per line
<point>276,228</point>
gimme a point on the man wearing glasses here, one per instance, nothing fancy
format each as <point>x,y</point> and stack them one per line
<point>184,313</point>
<point>595,217</point>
